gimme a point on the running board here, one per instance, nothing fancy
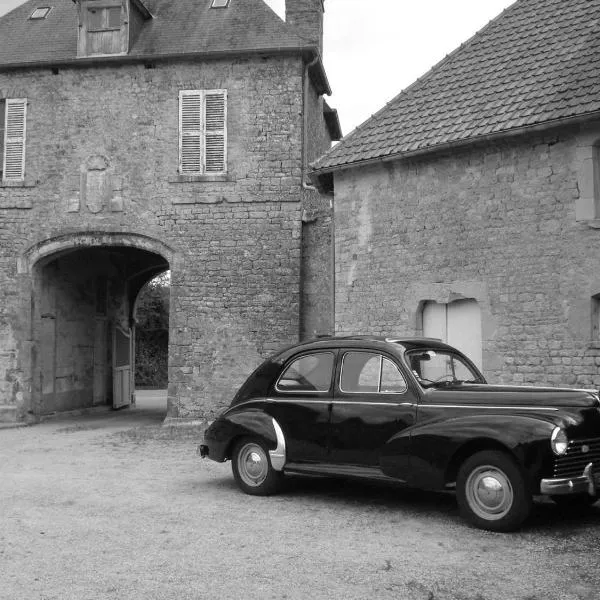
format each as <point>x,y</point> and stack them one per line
<point>326,469</point>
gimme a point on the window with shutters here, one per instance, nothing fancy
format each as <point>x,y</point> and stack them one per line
<point>12,139</point>
<point>203,132</point>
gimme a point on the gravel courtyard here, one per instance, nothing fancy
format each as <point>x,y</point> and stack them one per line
<point>114,506</point>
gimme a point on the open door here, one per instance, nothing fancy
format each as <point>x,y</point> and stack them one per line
<point>122,389</point>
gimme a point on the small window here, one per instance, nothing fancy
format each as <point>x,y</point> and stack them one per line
<point>595,317</point>
<point>13,114</point>
<point>2,129</point>
<point>310,373</point>
<point>40,13</point>
<point>106,18</point>
<point>370,373</point>
<point>219,3</point>
<point>203,132</point>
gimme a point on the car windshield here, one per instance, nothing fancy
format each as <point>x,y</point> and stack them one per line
<point>441,367</point>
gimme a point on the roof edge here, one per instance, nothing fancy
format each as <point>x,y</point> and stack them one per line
<point>307,52</point>
<point>490,137</point>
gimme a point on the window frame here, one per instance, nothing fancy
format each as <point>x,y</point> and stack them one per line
<point>298,357</point>
<point>42,15</point>
<point>382,357</point>
<point>2,135</point>
<point>13,139</point>
<point>104,8</point>
<point>204,133</point>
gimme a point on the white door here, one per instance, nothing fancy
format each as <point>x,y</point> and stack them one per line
<point>457,324</point>
<point>122,388</point>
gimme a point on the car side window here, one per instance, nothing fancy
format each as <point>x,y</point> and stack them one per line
<point>309,373</point>
<point>392,381</point>
<point>369,372</point>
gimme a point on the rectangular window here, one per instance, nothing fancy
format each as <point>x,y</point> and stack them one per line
<point>104,18</point>
<point>2,128</point>
<point>12,149</point>
<point>203,132</point>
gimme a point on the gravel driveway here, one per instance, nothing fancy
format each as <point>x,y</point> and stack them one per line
<point>114,506</point>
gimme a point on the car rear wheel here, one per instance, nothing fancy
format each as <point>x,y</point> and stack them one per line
<point>492,492</point>
<point>252,469</point>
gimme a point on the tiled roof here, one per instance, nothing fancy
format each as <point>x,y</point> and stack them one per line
<point>536,63</point>
<point>179,27</point>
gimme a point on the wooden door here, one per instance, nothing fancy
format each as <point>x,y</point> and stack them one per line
<point>457,324</point>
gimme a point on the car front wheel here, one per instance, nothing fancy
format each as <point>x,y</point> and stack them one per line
<point>252,469</point>
<point>492,492</point>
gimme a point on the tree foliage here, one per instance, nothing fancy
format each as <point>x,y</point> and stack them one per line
<point>152,333</point>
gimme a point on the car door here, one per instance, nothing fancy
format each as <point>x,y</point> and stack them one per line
<point>372,405</point>
<point>302,397</point>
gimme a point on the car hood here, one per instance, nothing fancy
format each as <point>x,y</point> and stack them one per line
<point>508,395</point>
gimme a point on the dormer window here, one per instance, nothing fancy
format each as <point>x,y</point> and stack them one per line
<point>109,27</point>
<point>105,18</point>
<point>40,13</point>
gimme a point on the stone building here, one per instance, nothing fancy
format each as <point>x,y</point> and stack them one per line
<point>468,208</point>
<point>145,135</point>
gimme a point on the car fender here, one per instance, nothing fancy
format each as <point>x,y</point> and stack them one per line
<point>249,422</point>
<point>438,448</point>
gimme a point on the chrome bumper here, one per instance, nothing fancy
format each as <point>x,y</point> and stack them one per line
<point>587,483</point>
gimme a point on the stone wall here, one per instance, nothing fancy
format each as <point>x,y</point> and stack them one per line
<point>496,223</point>
<point>102,158</point>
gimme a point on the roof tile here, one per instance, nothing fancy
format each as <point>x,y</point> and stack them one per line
<point>538,61</point>
<point>178,27</point>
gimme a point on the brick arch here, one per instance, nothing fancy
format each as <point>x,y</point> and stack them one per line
<point>89,239</point>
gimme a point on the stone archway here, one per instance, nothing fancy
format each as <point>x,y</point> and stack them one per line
<point>83,292</point>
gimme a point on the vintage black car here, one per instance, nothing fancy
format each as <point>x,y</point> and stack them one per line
<point>415,411</point>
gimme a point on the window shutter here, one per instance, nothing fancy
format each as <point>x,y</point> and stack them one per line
<point>14,140</point>
<point>2,126</point>
<point>190,131</point>
<point>215,131</point>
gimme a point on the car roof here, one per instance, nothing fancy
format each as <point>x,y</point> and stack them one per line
<point>393,343</point>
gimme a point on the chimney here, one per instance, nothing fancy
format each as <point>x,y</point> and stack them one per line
<point>307,17</point>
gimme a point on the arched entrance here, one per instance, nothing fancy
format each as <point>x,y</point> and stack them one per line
<point>84,290</point>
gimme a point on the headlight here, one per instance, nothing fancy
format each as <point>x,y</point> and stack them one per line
<point>559,441</point>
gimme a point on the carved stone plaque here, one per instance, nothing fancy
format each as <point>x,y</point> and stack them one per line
<point>98,189</point>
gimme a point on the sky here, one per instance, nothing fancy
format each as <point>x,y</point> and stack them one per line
<point>376,48</point>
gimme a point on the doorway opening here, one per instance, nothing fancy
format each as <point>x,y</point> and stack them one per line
<point>457,323</point>
<point>83,326</point>
<point>152,343</point>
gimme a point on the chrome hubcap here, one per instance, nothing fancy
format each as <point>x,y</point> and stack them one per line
<point>253,464</point>
<point>489,493</point>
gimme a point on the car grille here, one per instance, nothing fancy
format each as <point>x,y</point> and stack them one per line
<point>580,453</point>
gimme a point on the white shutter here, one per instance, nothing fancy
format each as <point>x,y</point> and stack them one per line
<point>190,131</point>
<point>14,140</point>
<point>215,131</point>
